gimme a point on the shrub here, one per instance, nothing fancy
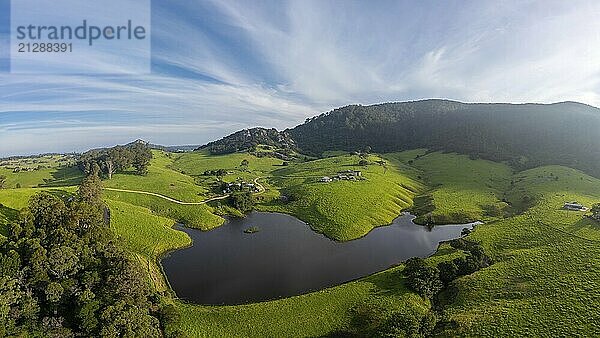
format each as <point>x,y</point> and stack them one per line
<point>423,279</point>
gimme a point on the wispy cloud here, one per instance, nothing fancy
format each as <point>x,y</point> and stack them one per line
<point>223,65</point>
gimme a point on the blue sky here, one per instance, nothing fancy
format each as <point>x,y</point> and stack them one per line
<point>220,66</point>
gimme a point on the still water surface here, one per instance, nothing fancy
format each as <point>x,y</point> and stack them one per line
<point>286,258</point>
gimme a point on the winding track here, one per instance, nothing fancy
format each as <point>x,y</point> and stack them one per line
<point>260,187</point>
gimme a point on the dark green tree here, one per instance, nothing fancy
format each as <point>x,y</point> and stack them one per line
<point>596,212</point>
<point>422,278</point>
<point>61,279</point>
<point>141,158</point>
<point>242,200</point>
<point>90,190</point>
<point>448,271</point>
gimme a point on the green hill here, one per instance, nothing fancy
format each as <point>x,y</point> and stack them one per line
<point>527,135</point>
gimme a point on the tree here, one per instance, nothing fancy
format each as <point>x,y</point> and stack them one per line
<point>245,163</point>
<point>58,279</point>
<point>2,181</point>
<point>243,201</point>
<point>90,190</point>
<point>448,271</point>
<point>363,162</point>
<point>422,278</point>
<point>141,158</point>
<point>466,266</point>
<point>596,212</point>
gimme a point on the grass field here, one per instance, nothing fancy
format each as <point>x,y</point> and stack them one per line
<point>461,190</point>
<point>343,210</point>
<point>146,235</point>
<point>161,179</point>
<point>43,171</point>
<point>545,280</point>
<point>168,182</point>
<point>195,163</point>
<point>310,315</point>
<point>193,216</point>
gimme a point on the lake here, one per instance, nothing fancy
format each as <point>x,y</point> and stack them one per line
<point>286,258</point>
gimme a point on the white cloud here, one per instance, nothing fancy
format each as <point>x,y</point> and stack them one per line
<point>241,64</point>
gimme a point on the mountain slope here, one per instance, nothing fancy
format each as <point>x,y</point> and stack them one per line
<point>249,138</point>
<point>527,135</point>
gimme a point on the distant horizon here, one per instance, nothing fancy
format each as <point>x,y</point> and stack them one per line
<point>198,144</point>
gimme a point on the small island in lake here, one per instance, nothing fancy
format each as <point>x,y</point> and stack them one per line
<point>252,230</point>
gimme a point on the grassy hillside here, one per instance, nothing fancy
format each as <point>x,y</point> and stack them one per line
<point>343,210</point>
<point>544,281</point>
<point>163,180</point>
<point>146,235</point>
<point>310,315</point>
<point>49,170</point>
<point>196,163</point>
<point>194,216</point>
<point>460,189</point>
<point>160,179</point>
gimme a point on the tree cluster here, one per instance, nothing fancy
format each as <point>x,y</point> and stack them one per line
<point>596,212</point>
<point>216,172</point>
<point>248,139</point>
<point>428,281</point>
<point>242,200</point>
<point>63,273</point>
<point>117,159</point>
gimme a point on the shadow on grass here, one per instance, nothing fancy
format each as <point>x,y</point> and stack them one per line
<point>582,225</point>
<point>388,283</point>
<point>64,176</point>
<point>7,215</point>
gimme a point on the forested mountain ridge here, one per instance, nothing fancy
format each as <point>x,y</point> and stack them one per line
<point>525,135</point>
<point>248,138</point>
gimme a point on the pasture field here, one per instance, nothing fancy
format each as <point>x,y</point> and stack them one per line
<point>460,190</point>
<point>194,216</point>
<point>167,182</point>
<point>544,282</point>
<point>196,163</point>
<point>42,171</point>
<point>343,210</point>
<point>311,315</point>
<point>146,235</point>
<point>161,180</point>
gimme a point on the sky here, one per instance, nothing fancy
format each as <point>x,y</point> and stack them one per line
<point>221,66</point>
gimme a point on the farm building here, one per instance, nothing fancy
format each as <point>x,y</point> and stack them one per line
<point>574,206</point>
<point>355,173</point>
